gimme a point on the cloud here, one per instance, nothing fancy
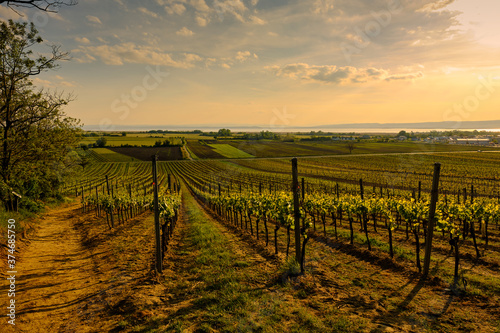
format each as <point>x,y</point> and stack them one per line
<point>123,53</point>
<point>244,55</point>
<point>93,19</point>
<point>42,83</point>
<point>202,22</point>
<point>404,77</point>
<point>323,6</point>
<point>437,5</point>
<point>337,75</point>
<point>6,13</point>
<point>221,10</point>
<point>256,20</point>
<point>57,82</point>
<point>184,32</point>
<point>176,8</point>
<point>200,5</point>
<point>147,12</point>
<point>82,40</point>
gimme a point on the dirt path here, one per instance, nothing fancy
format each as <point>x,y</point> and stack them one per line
<point>54,276</point>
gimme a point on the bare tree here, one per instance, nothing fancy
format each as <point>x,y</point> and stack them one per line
<point>350,146</point>
<point>45,5</point>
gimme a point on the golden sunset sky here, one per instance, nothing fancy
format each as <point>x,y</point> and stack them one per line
<point>257,62</point>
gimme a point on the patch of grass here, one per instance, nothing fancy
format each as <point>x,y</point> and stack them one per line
<point>176,326</point>
<point>152,325</point>
<point>358,282</point>
<point>289,268</point>
<point>193,155</point>
<point>343,324</point>
<point>240,263</point>
<point>309,322</point>
<point>229,151</point>
<point>122,324</point>
<point>23,220</point>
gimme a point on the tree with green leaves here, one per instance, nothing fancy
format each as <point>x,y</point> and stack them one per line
<point>102,141</point>
<point>35,133</point>
<point>402,133</point>
<point>224,132</point>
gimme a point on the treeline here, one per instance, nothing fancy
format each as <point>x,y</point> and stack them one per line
<point>124,133</point>
<point>36,136</point>
<point>171,142</point>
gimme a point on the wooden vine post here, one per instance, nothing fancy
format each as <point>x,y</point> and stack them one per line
<point>98,208</point>
<point>364,217</point>
<point>303,188</point>
<point>296,209</point>
<point>111,210</point>
<point>159,267</point>
<point>430,225</point>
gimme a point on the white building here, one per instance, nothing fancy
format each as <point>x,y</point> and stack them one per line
<point>474,141</point>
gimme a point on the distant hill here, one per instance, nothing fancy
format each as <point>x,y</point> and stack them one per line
<point>447,125</point>
<point>487,124</point>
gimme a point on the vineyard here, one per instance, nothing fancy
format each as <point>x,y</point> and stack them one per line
<point>374,209</point>
<point>126,191</point>
<point>389,215</point>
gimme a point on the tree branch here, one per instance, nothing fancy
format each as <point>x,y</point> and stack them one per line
<point>44,5</point>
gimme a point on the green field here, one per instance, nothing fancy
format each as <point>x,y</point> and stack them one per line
<point>219,149</point>
<point>138,139</point>
<point>229,151</point>
<point>283,149</point>
<point>271,148</point>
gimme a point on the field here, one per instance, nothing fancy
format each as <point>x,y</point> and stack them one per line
<point>110,155</point>
<point>229,245</point>
<point>205,147</point>
<point>229,151</point>
<point>270,149</point>
<point>145,153</point>
<point>138,139</point>
<point>202,150</point>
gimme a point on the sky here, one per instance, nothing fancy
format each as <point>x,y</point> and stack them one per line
<point>273,63</point>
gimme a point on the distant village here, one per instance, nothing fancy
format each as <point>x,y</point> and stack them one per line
<point>477,141</point>
<point>489,140</point>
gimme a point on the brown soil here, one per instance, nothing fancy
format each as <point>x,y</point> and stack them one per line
<point>75,275</point>
<point>54,277</point>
